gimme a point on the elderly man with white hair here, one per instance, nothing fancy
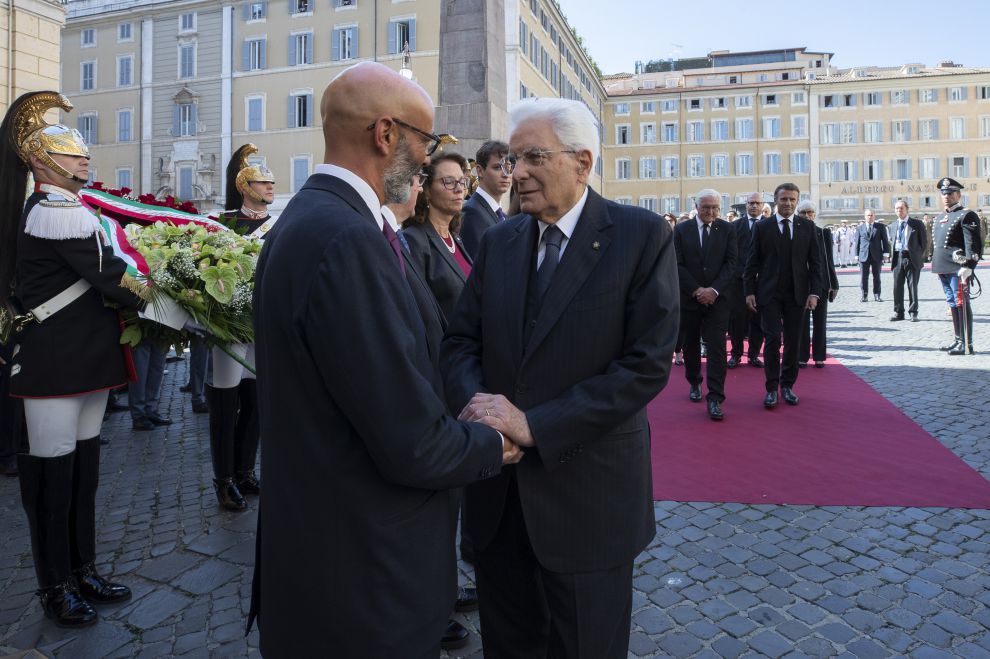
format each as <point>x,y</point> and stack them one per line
<point>562,335</point>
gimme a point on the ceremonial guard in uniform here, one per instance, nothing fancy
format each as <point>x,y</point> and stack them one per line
<point>58,273</point>
<point>957,250</point>
<point>233,395</point>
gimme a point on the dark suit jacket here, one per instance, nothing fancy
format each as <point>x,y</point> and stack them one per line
<point>596,354</point>
<point>356,537</point>
<point>872,249</point>
<point>743,240</point>
<point>476,217</point>
<point>763,266</point>
<point>915,240</point>
<point>444,277</point>
<point>715,267</point>
<point>830,281</point>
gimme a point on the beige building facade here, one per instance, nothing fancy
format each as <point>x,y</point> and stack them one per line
<point>850,139</point>
<point>30,36</point>
<point>197,79</point>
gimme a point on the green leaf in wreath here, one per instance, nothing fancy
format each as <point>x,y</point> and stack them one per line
<point>242,263</point>
<point>131,335</point>
<point>220,281</point>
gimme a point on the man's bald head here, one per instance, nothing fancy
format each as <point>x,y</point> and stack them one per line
<point>361,109</point>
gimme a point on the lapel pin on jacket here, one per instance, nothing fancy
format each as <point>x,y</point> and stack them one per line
<point>596,245</point>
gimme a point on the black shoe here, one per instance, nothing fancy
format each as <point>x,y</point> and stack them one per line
<point>143,423</point>
<point>877,298</point>
<point>695,394</point>
<point>455,637</point>
<point>66,607</point>
<point>715,410</point>
<point>819,364</point>
<point>802,364</point>
<point>756,362</point>
<point>159,420</point>
<point>770,400</point>
<point>952,346</point>
<point>862,299</point>
<point>9,467</point>
<point>789,396</point>
<point>248,483</point>
<point>97,590</point>
<point>733,362</point>
<point>914,318</point>
<point>961,350</point>
<point>467,600</point>
<point>114,406</point>
<point>200,408</point>
<point>229,497</point>
<point>186,388</point>
<point>896,318</point>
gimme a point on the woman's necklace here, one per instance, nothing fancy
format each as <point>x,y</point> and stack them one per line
<point>451,246</point>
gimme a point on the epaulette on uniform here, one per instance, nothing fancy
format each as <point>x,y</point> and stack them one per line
<point>60,218</point>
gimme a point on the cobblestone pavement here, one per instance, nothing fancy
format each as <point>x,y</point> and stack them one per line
<point>719,580</point>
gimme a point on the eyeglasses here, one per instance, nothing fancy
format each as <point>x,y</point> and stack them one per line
<point>533,158</point>
<point>451,183</point>
<point>420,178</point>
<point>433,141</point>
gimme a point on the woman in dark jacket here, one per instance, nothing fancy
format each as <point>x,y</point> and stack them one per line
<point>57,262</point>
<point>432,232</point>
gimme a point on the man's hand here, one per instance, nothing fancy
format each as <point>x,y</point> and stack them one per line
<point>751,303</point>
<point>832,294</point>
<point>495,411</point>
<point>511,453</point>
<point>965,273</point>
<point>706,296</point>
<point>811,303</point>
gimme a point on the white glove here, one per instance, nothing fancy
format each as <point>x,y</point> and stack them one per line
<point>965,273</point>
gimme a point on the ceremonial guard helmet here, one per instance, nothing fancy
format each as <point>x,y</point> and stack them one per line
<point>34,136</point>
<point>241,174</point>
<point>949,185</point>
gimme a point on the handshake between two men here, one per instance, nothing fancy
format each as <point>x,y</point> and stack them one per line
<point>495,411</point>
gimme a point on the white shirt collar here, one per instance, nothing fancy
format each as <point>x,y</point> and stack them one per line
<point>490,199</point>
<point>569,220</point>
<point>390,217</point>
<point>360,186</point>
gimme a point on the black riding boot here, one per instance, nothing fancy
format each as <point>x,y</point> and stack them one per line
<point>965,347</point>
<point>956,329</point>
<point>82,525</point>
<point>246,436</point>
<point>46,494</point>
<point>223,422</point>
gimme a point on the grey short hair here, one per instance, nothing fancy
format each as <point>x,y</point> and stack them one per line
<point>572,122</point>
<point>806,205</point>
<point>706,193</point>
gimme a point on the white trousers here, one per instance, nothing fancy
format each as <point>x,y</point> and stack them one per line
<point>227,373</point>
<point>54,425</point>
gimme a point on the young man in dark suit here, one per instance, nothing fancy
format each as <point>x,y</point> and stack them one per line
<point>782,280</point>
<point>482,209</point>
<point>871,247</point>
<point>356,532</point>
<point>706,261</point>
<point>562,335</point>
<point>743,323</point>
<point>907,259</point>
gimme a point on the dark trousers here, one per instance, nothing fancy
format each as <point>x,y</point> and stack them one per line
<point>743,324</point>
<point>865,267</point>
<point>813,338</point>
<point>13,431</point>
<point>529,612</point>
<point>144,392</point>
<point>708,323</point>
<point>905,274</point>
<point>781,316</point>
<point>198,364</point>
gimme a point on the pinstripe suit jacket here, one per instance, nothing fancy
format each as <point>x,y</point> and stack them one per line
<point>596,354</point>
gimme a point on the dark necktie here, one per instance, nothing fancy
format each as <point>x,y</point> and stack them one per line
<point>552,238</point>
<point>500,215</point>
<point>393,242</point>
<point>704,237</point>
<point>787,229</point>
<point>900,233</point>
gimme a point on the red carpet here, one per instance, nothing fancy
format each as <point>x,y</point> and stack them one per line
<point>843,445</point>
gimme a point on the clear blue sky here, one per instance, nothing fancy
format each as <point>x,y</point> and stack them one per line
<point>859,32</point>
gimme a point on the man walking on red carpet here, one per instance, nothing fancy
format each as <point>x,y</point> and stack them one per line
<point>781,280</point>
<point>706,261</point>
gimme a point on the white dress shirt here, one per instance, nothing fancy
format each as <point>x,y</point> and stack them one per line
<point>566,225</point>
<point>360,186</point>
